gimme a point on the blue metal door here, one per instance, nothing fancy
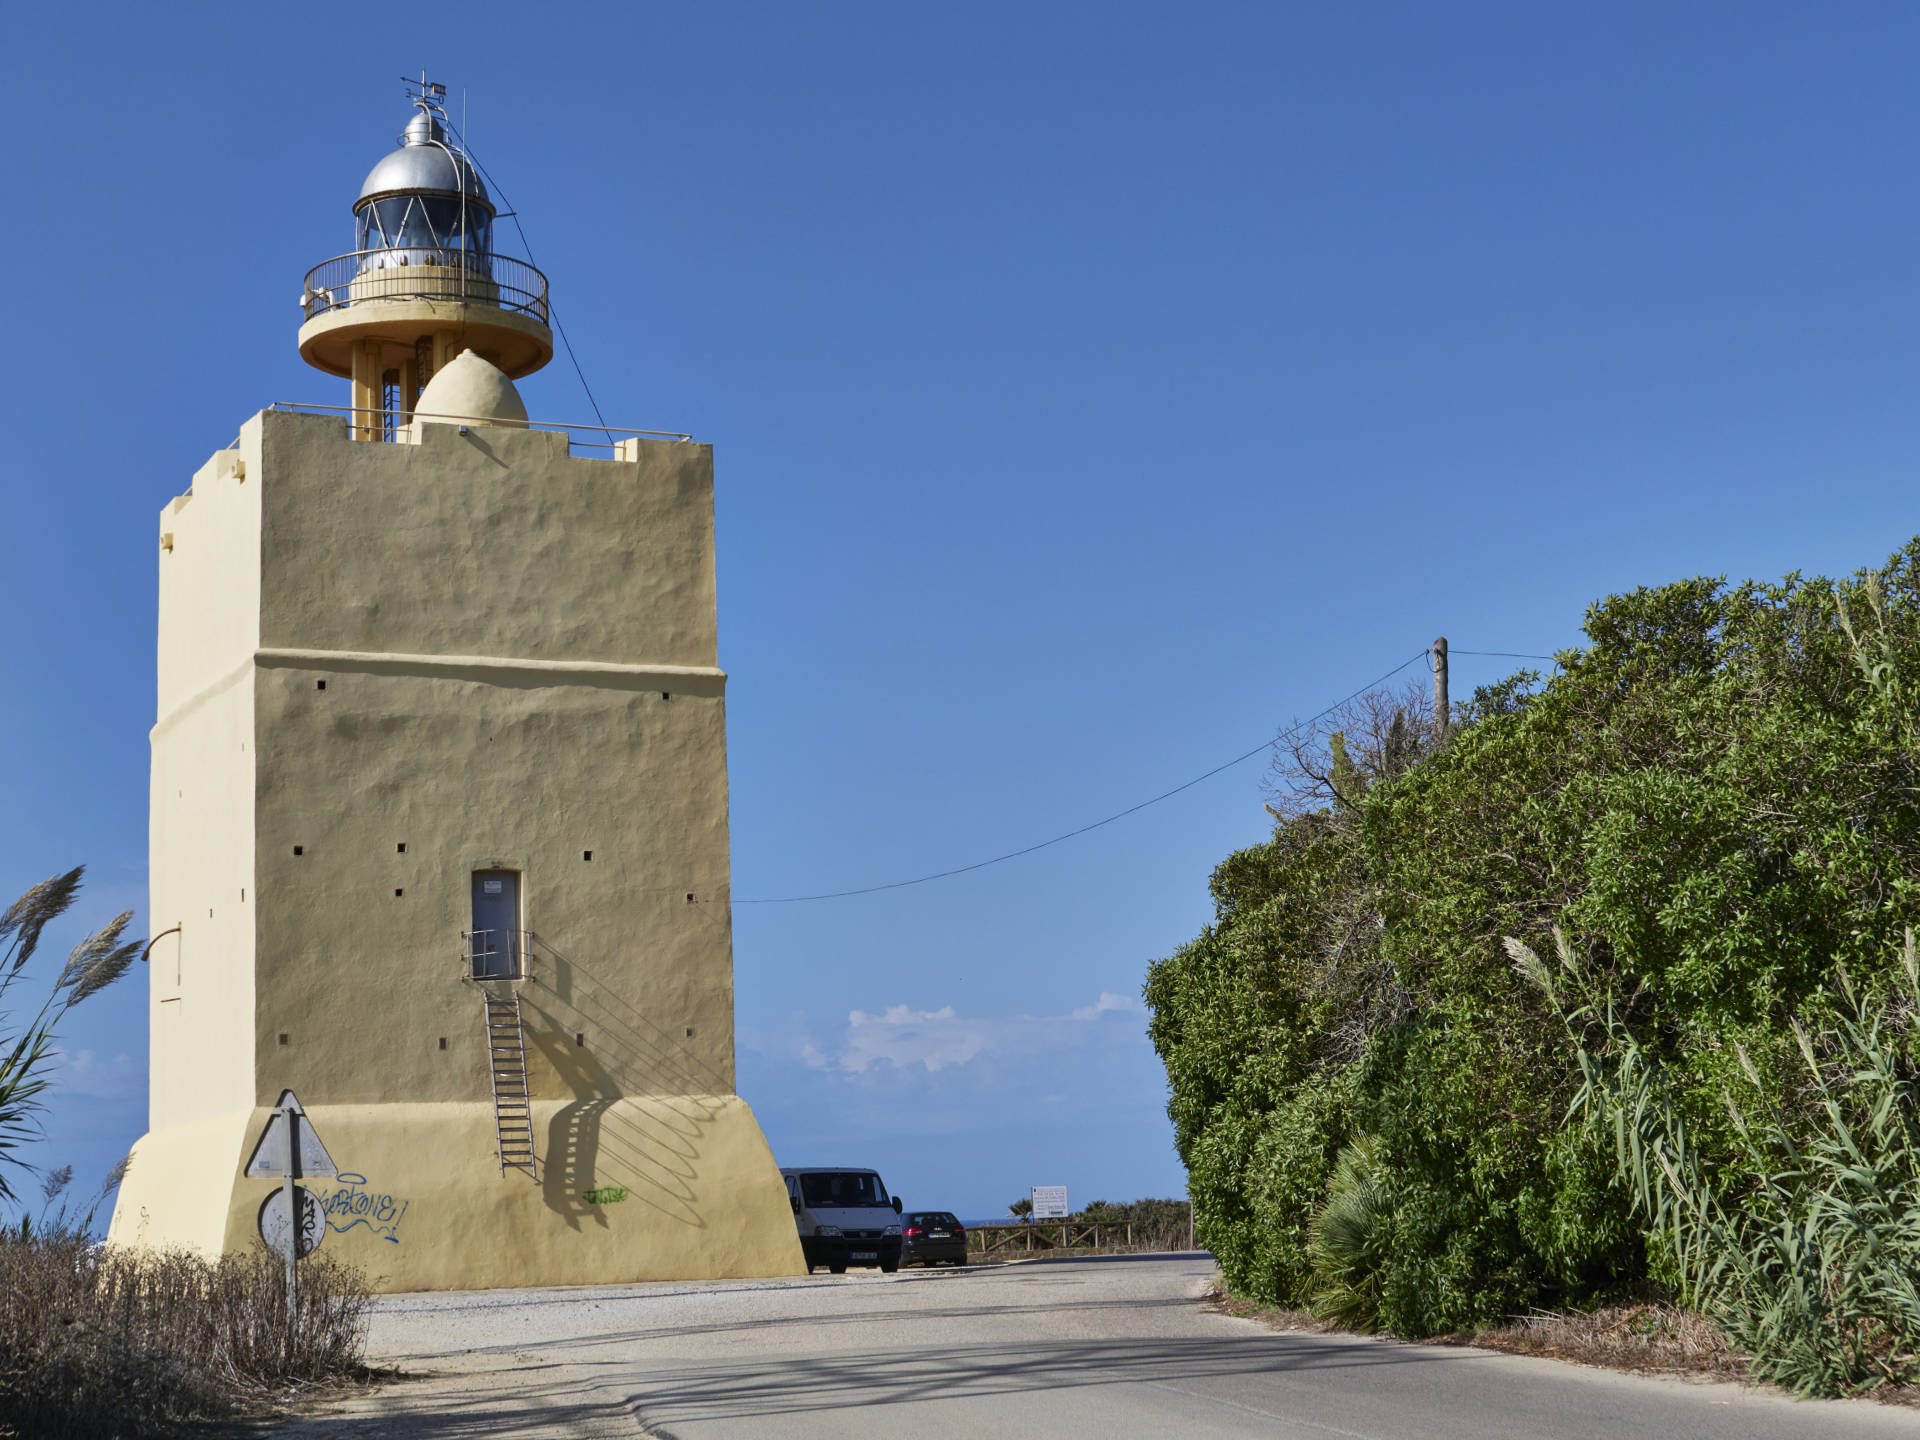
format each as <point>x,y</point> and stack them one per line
<point>494,943</point>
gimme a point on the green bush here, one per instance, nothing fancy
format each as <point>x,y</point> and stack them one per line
<point>1719,797</point>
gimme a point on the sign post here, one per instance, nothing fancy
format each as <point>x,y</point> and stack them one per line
<point>290,1219</point>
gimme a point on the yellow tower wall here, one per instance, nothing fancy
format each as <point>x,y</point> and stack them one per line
<point>496,654</point>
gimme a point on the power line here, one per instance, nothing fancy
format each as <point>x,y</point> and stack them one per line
<point>1117,815</point>
<point>1504,654</point>
<point>553,313</point>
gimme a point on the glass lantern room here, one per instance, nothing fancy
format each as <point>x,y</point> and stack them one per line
<point>423,204</point>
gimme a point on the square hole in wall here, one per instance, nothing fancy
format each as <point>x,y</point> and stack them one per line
<point>319,684</point>
<point>689,1032</point>
<point>665,696</point>
<point>401,848</point>
<point>283,1038</point>
<point>689,897</point>
<point>579,1040</point>
<point>586,854</point>
<point>299,849</point>
<point>443,1042</point>
<point>398,893</point>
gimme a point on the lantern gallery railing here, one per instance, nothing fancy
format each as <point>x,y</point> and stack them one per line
<point>425,274</point>
<point>389,422</point>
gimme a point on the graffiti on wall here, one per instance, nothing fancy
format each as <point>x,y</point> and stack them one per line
<point>352,1205</point>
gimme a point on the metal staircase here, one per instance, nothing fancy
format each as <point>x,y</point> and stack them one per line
<point>512,1101</point>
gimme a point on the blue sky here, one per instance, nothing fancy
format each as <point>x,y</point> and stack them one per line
<point>1094,389</point>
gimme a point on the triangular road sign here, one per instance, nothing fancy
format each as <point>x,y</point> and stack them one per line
<point>275,1156</point>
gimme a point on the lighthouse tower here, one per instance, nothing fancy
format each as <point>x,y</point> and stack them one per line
<point>439,802</point>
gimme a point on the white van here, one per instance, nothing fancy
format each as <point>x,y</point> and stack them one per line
<point>845,1217</point>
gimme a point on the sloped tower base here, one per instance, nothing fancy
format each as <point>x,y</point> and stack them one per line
<point>678,1187</point>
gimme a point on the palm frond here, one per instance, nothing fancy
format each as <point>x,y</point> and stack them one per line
<point>1347,1238</point>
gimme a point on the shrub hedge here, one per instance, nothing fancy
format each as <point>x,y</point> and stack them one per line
<point>1718,798</point>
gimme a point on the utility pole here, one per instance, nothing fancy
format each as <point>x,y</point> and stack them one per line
<point>1441,714</point>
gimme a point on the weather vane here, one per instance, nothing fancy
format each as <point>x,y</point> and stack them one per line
<point>423,89</point>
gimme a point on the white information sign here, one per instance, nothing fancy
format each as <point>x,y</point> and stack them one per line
<point>1050,1202</point>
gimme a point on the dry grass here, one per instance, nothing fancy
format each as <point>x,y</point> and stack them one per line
<point>1646,1339</point>
<point>1274,1317</point>
<point>1651,1339</point>
<point>122,1345</point>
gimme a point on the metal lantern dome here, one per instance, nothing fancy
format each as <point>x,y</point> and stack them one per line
<point>423,282</point>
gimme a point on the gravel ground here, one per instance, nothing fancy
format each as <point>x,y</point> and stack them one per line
<point>1087,1349</point>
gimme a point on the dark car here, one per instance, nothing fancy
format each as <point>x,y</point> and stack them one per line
<point>931,1236</point>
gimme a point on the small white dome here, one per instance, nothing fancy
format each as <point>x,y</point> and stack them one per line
<point>470,390</point>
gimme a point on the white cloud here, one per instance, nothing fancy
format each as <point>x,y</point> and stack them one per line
<point>903,1038</point>
<point>791,1041</point>
<point>82,1072</point>
<point>1107,1001</point>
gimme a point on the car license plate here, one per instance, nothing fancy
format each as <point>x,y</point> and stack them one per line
<point>866,1255</point>
<point>940,1235</point>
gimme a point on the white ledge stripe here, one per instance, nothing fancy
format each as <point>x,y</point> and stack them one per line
<point>693,679</point>
<point>707,681</point>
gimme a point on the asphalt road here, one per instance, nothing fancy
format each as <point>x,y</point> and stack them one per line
<point>1090,1349</point>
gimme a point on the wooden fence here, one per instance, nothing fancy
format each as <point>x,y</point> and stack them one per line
<point>1044,1236</point>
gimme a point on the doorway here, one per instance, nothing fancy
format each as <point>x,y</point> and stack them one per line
<point>493,945</point>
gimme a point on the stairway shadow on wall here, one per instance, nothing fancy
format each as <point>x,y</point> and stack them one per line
<point>649,1146</point>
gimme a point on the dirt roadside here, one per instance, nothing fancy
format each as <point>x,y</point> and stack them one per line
<point>1638,1339</point>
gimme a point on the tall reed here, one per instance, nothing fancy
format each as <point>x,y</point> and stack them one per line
<point>1804,1245</point>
